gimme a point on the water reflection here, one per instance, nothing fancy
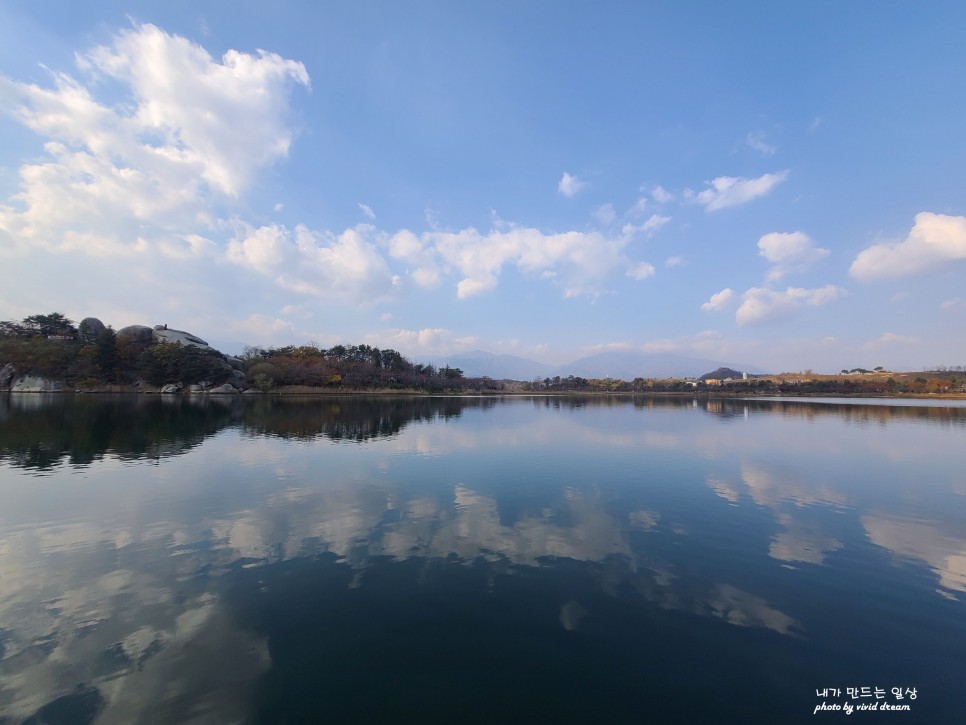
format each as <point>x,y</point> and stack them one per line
<point>38,431</point>
<point>267,549</point>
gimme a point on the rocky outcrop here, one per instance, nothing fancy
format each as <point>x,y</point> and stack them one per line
<point>136,333</point>
<point>225,389</point>
<point>36,384</point>
<point>161,333</point>
<point>90,328</point>
<point>172,388</point>
<point>7,373</point>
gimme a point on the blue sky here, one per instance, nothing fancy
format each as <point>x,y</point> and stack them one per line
<point>776,184</point>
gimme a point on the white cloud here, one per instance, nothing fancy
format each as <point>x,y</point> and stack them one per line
<point>641,270</point>
<point>346,266</point>
<point>952,304</point>
<point>638,208</point>
<point>423,343</point>
<point>605,213</point>
<point>789,252</point>
<point>719,300</point>
<point>579,262</point>
<point>188,246</point>
<point>405,245</point>
<point>674,261</point>
<point>934,240</point>
<point>264,249</point>
<point>756,141</point>
<point>653,223</point>
<point>263,328</point>
<point>367,210</point>
<point>186,133</point>
<point>569,185</point>
<point>296,310</point>
<point>660,195</point>
<point>888,339</point>
<point>760,305</point>
<point>728,191</point>
<point>707,343</point>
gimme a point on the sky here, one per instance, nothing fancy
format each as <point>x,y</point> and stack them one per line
<point>777,184</point>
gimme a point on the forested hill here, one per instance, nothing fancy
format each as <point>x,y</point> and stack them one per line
<point>52,349</point>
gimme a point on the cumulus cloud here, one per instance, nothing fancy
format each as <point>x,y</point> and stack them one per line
<point>186,131</point>
<point>661,195</point>
<point>728,191</point>
<point>719,300</point>
<point>346,266</point>
<point>579,262</point>
<point>569,185</point>
<point>367,210</point>
<point>760,305</point>
<point>675,261</point>
<point>264,249</point>
<point>789,252</point>
<point>934,240</point>
<point>355,263</point>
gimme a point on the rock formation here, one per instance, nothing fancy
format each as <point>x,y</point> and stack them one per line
<point>136,333</point>
<point>7,373</point>
<point>90,328</point>
<point>161,333</point>
<point>36,384</point>
<point>225,389</point>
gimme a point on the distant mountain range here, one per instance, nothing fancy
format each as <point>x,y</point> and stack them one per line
<point>626,365</point>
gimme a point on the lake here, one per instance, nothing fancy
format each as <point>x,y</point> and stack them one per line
<point>545,559</point>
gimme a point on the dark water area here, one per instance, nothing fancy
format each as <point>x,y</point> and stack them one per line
<point>546,559</point>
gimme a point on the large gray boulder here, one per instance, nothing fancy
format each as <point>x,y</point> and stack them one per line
<point>172,388</point>
<point>161,333</point>
<point>6,376</point>
<point>90,328</point>
<point>225,389</point>
<point>36,384</point>
<point>136,333</point>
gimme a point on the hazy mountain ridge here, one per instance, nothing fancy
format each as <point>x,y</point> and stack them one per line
<point>622,364</point>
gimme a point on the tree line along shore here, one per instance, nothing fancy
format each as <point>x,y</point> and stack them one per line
<point>48,353</point>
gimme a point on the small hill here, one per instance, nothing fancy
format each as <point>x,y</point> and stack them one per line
<point>722,373</point>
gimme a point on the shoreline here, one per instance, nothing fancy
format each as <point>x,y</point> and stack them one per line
<point>490,393</point>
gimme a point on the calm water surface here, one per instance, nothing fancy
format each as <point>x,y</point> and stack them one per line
<point>466,560</point>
